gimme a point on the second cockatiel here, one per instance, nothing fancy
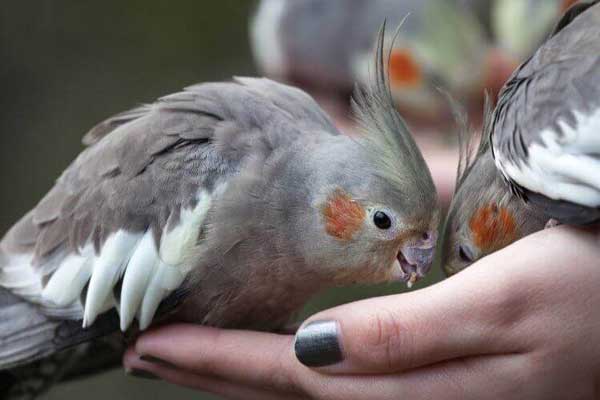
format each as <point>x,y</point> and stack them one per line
<point>484,215</point>
<point>325,46</point>
<point>542,135</point>
<point>226,204</point>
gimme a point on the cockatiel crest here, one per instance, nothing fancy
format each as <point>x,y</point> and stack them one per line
<point>226,204</point>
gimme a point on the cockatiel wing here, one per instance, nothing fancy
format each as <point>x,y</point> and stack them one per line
<point>120,226</point>
<point>545,130</point>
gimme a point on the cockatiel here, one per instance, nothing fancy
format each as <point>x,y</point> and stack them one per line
<point>226,204</point>
<point>484,215</point>
<point>325,46</point>
<point>541,136</point>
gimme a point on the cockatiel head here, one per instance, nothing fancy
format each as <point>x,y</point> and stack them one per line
<point>326,45</point>
<point>484,215</point>
<point>441,45</point>
<point>227,204</point>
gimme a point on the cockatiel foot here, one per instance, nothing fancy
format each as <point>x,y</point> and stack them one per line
<point>552,223</point>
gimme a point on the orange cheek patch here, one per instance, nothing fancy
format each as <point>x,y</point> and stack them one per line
<point>404,70</point>
<point>492,227</point>
<point>343,216</point>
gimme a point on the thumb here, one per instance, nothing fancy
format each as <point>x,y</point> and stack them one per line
<point>466,315</point>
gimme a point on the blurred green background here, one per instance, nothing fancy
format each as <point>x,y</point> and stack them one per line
<point>66,65</point>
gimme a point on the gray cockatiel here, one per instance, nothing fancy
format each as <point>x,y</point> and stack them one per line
<point>544,135</point>
<point>325,46</point>
<point>484,215</point>
<point>226,204</point>
<point>541,134</point>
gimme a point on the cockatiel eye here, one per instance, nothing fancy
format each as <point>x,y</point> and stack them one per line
<point>465,254</point>
<point>382,220</point>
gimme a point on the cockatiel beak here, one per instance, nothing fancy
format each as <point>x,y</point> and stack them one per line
<point>415,258</point>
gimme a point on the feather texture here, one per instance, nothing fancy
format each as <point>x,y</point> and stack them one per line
<point>544,132</point>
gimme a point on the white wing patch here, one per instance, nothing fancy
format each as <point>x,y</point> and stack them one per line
<point>21,280</point>
<point>150,274</point>
<point>65,286</point>
<point>265,37</point>
<point>562,168</point>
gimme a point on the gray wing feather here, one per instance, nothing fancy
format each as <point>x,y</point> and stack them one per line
<point>541,107</point>
<point>562,77</point>
<point>109,125</point>
<point>155,159</point>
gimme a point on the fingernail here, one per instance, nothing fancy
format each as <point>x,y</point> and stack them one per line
<point>140,373</point>
<point>317,344</point>
<point>157,361</point>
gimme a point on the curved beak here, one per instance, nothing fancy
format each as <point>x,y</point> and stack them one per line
<point>415,258</point>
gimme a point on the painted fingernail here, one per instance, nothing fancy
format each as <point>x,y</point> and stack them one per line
<point>157,361</point>
<point>140,373</point>
<point>318,345</point>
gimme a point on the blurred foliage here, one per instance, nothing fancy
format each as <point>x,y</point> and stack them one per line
<point>66,65</point>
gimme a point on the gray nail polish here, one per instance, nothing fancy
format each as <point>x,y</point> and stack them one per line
<point>139,373</point>
<point>157,361</point>
<point>317,344</point>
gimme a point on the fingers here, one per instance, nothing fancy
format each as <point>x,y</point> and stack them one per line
<point>219,387</point>
<point>504,376</point>
<point>250,358</point>
<point>478,312</point>
<point>488,377</point>
<point>464,316</point>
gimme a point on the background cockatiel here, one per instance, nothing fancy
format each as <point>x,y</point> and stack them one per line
<point>324,45</point>
<point>541,138</point>
<point>227,204</point>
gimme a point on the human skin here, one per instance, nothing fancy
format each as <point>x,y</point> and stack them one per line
<point>521,323</point>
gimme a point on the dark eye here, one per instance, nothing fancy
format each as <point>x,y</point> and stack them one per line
<point>465,254</point>
<point>381,220</point>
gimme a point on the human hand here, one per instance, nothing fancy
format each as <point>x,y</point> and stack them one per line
<point>522,323</point>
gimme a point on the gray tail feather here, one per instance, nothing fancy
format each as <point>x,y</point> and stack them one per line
<point>25,334</point>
